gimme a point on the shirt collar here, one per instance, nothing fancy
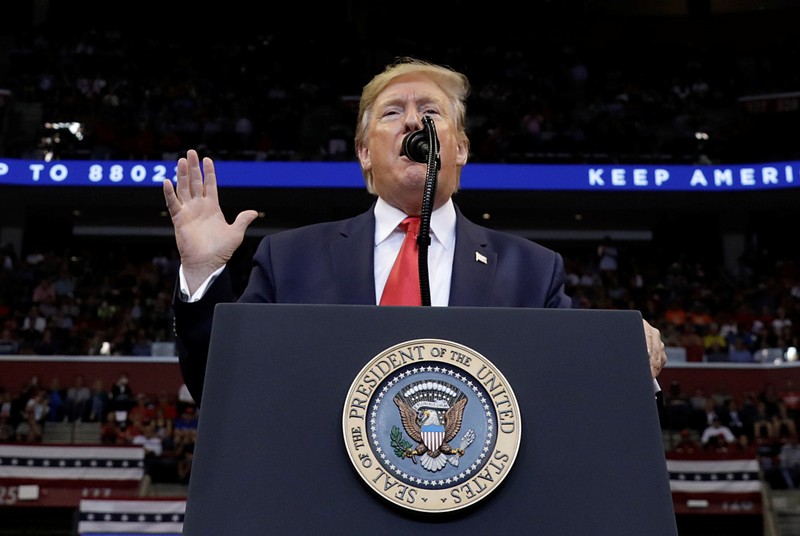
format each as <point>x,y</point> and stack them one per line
<point>443,222</point>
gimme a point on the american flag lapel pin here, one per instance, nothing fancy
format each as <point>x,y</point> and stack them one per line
<point>480,258</point>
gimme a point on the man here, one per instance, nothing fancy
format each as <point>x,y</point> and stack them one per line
<point>351,260</point>
<point>78,400</point>
<point>717,434</point>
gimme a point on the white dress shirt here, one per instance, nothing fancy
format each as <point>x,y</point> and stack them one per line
<point>388,239</point>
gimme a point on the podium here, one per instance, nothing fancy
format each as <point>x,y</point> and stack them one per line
<point>271,458</point>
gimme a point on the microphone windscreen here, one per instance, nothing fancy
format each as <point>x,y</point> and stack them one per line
<point>416,146</point>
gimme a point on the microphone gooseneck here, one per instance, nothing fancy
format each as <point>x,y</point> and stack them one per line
<point>423,146</point>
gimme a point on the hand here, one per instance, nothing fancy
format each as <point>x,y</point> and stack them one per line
<point>205,240</point>
<point>656,349</point>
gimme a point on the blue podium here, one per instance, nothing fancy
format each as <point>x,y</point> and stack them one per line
<point>271,458</point>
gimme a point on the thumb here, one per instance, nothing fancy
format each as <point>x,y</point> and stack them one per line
<point>244,219</point>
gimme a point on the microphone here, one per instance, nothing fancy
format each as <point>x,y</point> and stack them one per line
<point>416,146</point>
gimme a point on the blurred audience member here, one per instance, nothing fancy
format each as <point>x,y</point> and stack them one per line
<point>9,345</point>
<point>739,352</point>
<point>56,397</point>
<point>789,460</point>
<point>166,408</point>
<point>122,398</point>
<point>716,434</point>
<point>100,401</point>
<point>687,444</point>
<point>143,410</point>
<point>78,400</point>
<point>110,432</point>
<point>784,426</point>
<point>730,416</point>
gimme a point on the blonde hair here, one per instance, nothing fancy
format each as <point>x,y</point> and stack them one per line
<point>454,84</point>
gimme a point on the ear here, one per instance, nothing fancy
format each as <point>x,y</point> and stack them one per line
<point>364,158</point>
<point>462,152</point>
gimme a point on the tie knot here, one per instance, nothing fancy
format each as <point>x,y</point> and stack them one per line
<point>410,225</point>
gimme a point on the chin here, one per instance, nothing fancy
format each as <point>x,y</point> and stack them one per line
<point>414,179</point>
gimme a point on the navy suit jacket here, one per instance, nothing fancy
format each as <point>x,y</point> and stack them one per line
<point>332,263</point>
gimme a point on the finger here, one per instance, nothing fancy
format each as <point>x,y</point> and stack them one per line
<point>195,174</point>
<point>182,180</point>
<point>182,174</point>
<point>244,219</point>
<point>210,185</point>
<point>170,197</point>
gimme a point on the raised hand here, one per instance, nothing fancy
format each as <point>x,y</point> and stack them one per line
<point>204,238</point>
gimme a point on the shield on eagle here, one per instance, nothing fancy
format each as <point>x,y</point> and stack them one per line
<point>432,434</point>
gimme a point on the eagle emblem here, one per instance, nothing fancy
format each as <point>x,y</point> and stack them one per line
<point>422,425</point>
<point>431,413</point>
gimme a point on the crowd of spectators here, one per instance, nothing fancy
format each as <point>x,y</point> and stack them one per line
<point>244,95</point>
<point>94,302</point>
<point>164,424</point>
<point>114,300</point>
<point>102,302</point>
<point>568,91</point>
<point>762,423</point>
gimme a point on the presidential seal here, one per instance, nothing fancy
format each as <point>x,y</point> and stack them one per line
<point>431,425</point>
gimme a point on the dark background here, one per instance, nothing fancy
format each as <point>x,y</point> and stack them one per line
<point>340,45</point>
<point>744,47</point>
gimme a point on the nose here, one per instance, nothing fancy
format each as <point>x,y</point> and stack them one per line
<point>413,120</point>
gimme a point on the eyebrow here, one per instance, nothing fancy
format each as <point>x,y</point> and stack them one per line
<point>419,100</point>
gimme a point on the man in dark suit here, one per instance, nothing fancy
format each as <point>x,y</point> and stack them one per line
<point>348,262</point>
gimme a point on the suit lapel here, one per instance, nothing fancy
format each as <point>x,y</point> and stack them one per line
<point>474,265</point>
<point>352,254</point>
<point>352,258</point>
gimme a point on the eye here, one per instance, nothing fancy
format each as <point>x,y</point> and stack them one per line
<point>391,111</point>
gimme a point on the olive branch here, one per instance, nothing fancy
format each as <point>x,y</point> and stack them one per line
<point>398,443</point>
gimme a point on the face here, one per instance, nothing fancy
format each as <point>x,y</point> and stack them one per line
<point>398,110</point>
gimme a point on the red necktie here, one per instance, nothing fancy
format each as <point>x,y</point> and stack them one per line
<point>402,287</point>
